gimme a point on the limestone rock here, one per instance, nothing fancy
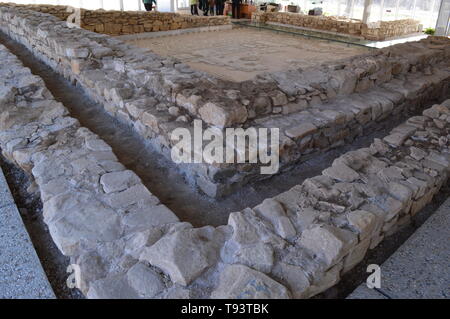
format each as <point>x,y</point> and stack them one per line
<point>417,153</point>
<point>296,279</point>
<point>241,282</point>
<point>259,257</point>
<point>137,195</point>
<point>327,280</point>
<point>97,145</point>
<point>278,98</point>
<point>186,254</point>
<point>141,218</point>
<point>341,172</point>
<point>363,222</point>
<point>222,116</point>
<point>328,242</point>
<point>274,212</point>
<point>356,255</point>
<point>145,281</point>
<point>118,181</point>
<point>395,139</point>
<point>248,229</point>
<point>112,287</point>
<point>300,131</point>
<point>75,218</point>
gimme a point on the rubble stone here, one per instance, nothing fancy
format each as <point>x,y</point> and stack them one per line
<point>241,282</point>
<point>185,254</point>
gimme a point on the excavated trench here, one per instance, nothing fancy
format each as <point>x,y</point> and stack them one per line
<point>163,180</point>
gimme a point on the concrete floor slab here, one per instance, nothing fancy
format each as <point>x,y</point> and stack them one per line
<point>420,268</point>
<point>21,273</point>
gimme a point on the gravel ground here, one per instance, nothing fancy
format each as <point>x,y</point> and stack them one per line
<point>30,208</point>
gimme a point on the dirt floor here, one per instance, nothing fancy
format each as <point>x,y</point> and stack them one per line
<point>240,54</point>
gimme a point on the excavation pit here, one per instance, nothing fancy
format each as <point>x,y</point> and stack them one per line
<point>133,232</point>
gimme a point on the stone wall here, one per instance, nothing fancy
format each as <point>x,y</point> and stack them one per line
<point>295,245</point>
<point>382,30</point>
<point>128,22</point>
<point>378,31</point>
<point>334,24</point>
<point>315,109</point>
<point>87,194</point>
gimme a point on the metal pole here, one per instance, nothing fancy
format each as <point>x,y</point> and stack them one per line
<point>431,9</point>
<point>381,10</point>
<point>397,8</point>
<point>367,10</point>
<point>414,9</point>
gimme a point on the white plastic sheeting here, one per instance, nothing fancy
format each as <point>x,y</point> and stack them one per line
<point>426,11</point>
<point>128,5</point>
<point>443,23</point>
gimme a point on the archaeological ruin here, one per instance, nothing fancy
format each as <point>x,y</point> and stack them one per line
<point>273,155</point>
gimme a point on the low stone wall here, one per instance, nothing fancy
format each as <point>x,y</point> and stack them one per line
<point>327,106</point>
<point>294,245</point>
<point>382,30</point>
<point>128,22</point>
<point>61,12</point>
<point>334,24</point>
<point>378,31</point>
<point>89,198</point>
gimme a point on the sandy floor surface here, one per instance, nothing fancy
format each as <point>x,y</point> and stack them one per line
<point>242,53</point>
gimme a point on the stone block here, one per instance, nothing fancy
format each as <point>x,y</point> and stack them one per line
<point>241,282</point>
<point>328,243</point>
<point>118,181</point>
<point>184,255</point>
<point>145,281</point>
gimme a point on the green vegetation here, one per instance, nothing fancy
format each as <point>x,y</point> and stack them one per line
<point>430,31</point>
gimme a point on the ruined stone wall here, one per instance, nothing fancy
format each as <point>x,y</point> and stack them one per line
<point>334,24</point>
<point>119,23</point>
<point>87,194</point>
<point>374,31</point>
<point>295,245</point>
<point>327,106</point>
<point>383,30</point>
<point>128,22</point>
